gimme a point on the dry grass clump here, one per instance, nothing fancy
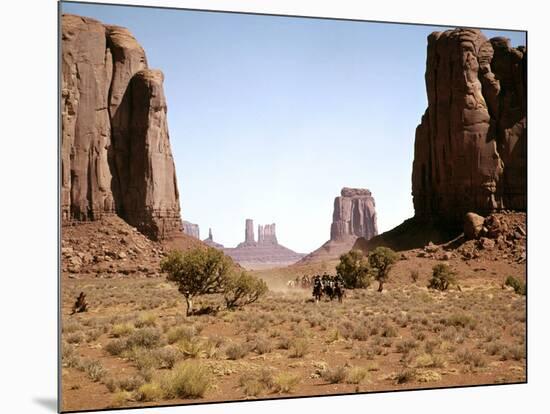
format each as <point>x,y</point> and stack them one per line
<point>404,376</point>
<point>120,398</point>
<point>178,333</point>
<point>285,382</point>
<point>94,369</point>
<point>146,320</point>
<point>262,345</point>
<point>150,392</point>
<point>188,379</point>
<point>236,351</point>
<point>145,337</point>
<point>470,358</point>
<point>299,348</point>
<point>122,329</point>
<point>357,375</point>
<point>256,383</point>
<point>335,375</point>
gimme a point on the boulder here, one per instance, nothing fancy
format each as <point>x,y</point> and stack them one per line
<point>473,226</point>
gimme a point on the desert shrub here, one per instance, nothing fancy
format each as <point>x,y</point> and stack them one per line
<point>462,320</point>
<point>357,375</point>
<point>242,289</point>
<point>121,329</point>
<point>381,260</point>
<point>389,331</point>
<point>192,348</point>
<point>116,346</point>
<point>442,277</point>
<point>285,342</point>
<point>166,357</point>
<point>75,338</point>
<point>299,347</point>
<point>145,337</point>
<point>354,269</point>
<point>519,287</point>
<point>197,272</point>
<point>143,358</point>
<point>71,326</point>
<point>415,275</point>
<point>406,346</point>
<point>149,392</point>
<point>471,358</point>
<point>255,383</point>
<point>129,383</point>
<point>180,332</point>
<point>405,375</point>
<point>120,398</point>
<point>188,379</point>
<point>236,351</point>
<point>360,333</point>
<point>285,382</point>
<point>263,345</point>
<point>146,320</point>
<point>94,369</point>
<point>335,375</point>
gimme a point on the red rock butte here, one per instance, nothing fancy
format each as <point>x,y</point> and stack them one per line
<point>115,147</point>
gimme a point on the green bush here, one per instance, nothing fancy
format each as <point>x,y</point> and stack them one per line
<point>519,287</point>
<point>381,261</point>
<point>242,289</point>
<point>354,269</point>
<point>442,277</point>
<point>198,271</point>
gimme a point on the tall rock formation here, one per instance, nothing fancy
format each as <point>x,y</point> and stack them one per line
<point>266,252</point>
<point>354,215</point>
<point>191,229</point>
<point>471,146</point>
<point>115,148</point>
<point>249,232</point>
<point>267,234</point>
<point>210,241</point>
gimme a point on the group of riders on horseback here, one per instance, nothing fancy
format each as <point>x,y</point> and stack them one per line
<point>332,287</point>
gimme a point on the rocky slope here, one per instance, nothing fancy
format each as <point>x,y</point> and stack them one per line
<point>354,216</point>
<point>110,247</point>
<point>115,148</point>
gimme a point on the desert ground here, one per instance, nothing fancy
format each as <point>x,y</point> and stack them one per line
<point>134,346</point>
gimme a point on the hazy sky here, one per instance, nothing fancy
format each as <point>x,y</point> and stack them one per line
<point>270,117</point>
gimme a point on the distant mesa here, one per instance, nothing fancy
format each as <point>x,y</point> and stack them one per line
<point>191,229</point>
<point>265,252</point>
<point>354,216</point>
<point>210,241</point>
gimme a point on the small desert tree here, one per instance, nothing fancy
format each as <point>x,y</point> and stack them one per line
<point>442,277</point>
<point>242,289</point>
<point>197,272</point>
<point>381,260</point>
<point>354,269</point>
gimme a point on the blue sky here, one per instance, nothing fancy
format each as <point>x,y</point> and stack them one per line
<point>270,117</point>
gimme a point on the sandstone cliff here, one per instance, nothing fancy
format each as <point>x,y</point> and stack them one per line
<point>191,229</point>
<point>115,148</point>
<point>471,146</point>
<point>354,215</point>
